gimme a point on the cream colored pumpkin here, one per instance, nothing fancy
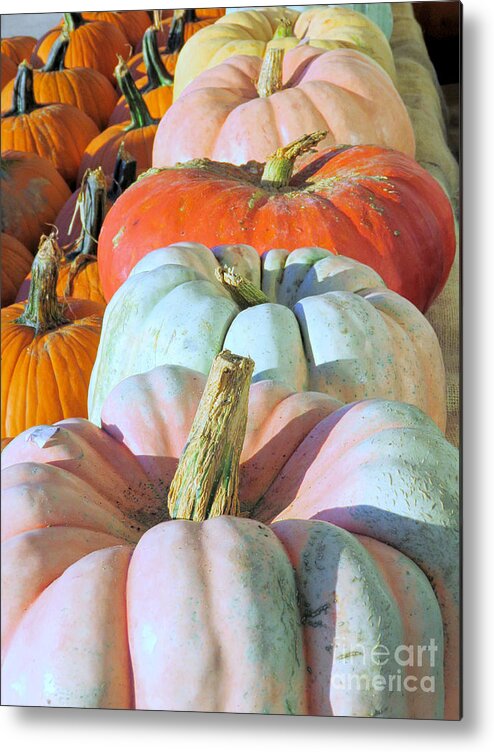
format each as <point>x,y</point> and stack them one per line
<point>328,325</point>
<point>250,32</point>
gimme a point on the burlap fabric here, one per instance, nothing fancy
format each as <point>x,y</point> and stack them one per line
<point>420,90</point>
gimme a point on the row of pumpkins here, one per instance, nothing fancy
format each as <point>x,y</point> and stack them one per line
<point>232,265</point>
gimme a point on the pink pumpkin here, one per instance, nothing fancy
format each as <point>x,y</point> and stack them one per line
<point>226,116</point>
<point>106,603</point>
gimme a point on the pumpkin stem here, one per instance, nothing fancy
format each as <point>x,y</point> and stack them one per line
<point>279,167</point>
<point>91,206</point>
<point>205,484</point>
<point>56,58</point>
<point>139,113</point>
<point>157,19</point>
<point>43,311</point>
<point>23,101</point>
<point>271,76</point>
<point>124,173</point>
<point>156,71</point>
<point>176,37</point>
<point>244,293</point>
<point>73,21</point>
<point>284,29</point>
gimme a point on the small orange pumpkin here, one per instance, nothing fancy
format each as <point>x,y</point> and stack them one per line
<point>16,263</point>
<point>84,88</point>
<point>17,48</point>
<point>132,23</point>
<point>48,350</point>
<point>33,192</point>
<point>93,44</point>
<point>59,132</point>
<point>137,135</point>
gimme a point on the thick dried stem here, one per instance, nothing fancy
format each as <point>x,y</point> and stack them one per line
<point>271,76</point>
<point>205,484</point>
<point>244,293</point>
<point>279,167</point>
<point>43,311</point>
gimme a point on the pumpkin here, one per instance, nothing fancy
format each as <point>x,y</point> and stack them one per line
<point>136,135</point>
<point>375,205</point>
<point>156,87</point>
<point>48,350</point>
<point>85,88</point>
<point>8,69</point>
<point>253,32</point>
<point>17,48</point>
<point>97,577</point>
<point>33,192</point>
<point>78,271</point>
<point>93,44</point>
<point>132,23</point>
<point>172,34</point>
<point>16,263</point>
<point>68,221</point>
<point>59,132</point>
<point>225,115</point>
<point>309,319</point>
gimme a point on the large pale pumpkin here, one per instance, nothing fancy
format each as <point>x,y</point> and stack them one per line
<point>246,107</point>
<point>309,319</point>
<point>59,132</point>
<point>376,206</point>
<point>33,192</point>
<point>104,583</point>
<point>252,32</point>
<point>48,350</point>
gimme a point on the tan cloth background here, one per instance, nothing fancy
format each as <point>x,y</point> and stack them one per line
<point>420,90</point>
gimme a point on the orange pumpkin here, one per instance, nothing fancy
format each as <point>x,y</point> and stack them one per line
<point>174,32</point>
<point>16,263</point>
<point>132,23</point>
<point>93,44</point>
<point>78,275</point>
<point>85,88</point>
<point>156,87</point>
<point>137,135</point>
<point>59,132</point>
<point>8,69</point>
<point>18,48</point>
<point>48,350</point>
<point>33,192</point>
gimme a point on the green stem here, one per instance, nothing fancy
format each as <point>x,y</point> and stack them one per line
<point>56,58</point>
<point>124,174</point>
<point>43,311</point>
<point>284,29</point>
<point>23,101</point>
<point>156,71</point>
<point>176,37</point>
<point>205,484</point>
<point>271,75</point>
<point>73,20</point>
<point>139,113</point>
<point>244,293</point>
<point>279,167</point>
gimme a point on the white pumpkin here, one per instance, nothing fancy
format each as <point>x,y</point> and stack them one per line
<point>328,325</point>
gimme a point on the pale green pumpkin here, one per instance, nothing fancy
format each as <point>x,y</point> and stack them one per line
<point>323,323</point>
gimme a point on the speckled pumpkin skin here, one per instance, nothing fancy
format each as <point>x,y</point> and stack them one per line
<point>331,326</point>
<point>94,604</point>
<point>374,205</point>
<point>220,114</point>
